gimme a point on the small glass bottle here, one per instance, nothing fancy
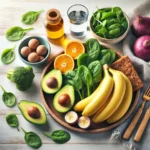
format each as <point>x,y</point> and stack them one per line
<point>54,25</point>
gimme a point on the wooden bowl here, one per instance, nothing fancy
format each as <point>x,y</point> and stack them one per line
<point>47,100</point>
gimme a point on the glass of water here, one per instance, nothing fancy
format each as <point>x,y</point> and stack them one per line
<point>78,16</point>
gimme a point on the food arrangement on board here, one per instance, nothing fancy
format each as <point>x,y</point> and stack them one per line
<point>89,87</point>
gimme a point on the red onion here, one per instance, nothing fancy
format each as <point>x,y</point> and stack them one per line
<point>141,26</point>
<point>142,47</point>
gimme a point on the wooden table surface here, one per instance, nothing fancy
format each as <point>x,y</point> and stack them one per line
<point>10,15</point>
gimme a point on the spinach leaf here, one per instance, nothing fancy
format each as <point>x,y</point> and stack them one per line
<point>106,15</point>
<point>98,15</point>
<point>9,98</point>
<point>103,32</point>
<point>86,77</point>
<point>59,136</point>
<point>16,33</point>
<point>112,21</point>
<point>8,55</point>
<point>113,26</point>
<point>115,32</point>
<point>95,68</point>
<point>118,12</point>
<point>30,17</point>
<point>12,120</point>
<point>112,56</point>
<point>105,56</point>
<point>32,139</point>
<point>124,24</point>
<point>83,59</point>
<point>92,47</point>
<point>72,78</point>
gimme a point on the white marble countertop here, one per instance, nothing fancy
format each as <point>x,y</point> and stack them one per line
<point>10,14</point>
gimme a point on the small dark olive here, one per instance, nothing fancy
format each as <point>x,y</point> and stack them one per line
<point>33,112</point>
<point>52,82</point>
<point>64,100</point>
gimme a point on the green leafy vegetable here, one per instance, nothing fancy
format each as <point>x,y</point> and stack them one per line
<point>72,78</point>
<point>112,56</point>
<point>86,77</point>
<point>8,55</point>
<point>9,98</point>
<point>109,22</point>
<point>107,56</point>
<point>95,68</point>
<point>30,17</point>
<point>92,47</point>
<point>83,59</point>
<point>22,77</point>
<point>59,136</point>
<point>32,139</point>
<point>106,15</point>
<point>12,120</point>
<point>16,33</point>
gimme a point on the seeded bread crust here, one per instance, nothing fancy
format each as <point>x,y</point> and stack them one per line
<point>124,64</point>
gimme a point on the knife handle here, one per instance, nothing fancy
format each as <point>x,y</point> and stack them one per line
<point>142,126</point>
<point>133,123</point>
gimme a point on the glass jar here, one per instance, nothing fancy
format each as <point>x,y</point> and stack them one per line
<point>54,25</point>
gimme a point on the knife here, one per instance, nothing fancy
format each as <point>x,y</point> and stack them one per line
<point>142,126</point>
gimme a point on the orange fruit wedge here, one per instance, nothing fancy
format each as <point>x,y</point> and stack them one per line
<point>64,63</point>
<point>74,49</point>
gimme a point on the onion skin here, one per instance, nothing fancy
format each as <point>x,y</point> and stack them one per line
<point>141,26</point>
<point>142,47</point>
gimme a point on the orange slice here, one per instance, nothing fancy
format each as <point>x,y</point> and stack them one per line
<point>74,49</point>
<point>64,63</point>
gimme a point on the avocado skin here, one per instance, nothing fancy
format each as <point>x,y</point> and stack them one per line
<point>23,106</point>
<point>67,89</point>
<point>53,73</point>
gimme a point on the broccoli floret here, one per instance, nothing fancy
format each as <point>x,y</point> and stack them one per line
<point>22,77</point>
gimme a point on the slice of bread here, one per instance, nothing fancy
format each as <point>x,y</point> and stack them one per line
<point>124,64</point>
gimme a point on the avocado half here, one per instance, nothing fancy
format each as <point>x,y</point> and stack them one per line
<point>53,73</point>
<point>67,89</point>
<point>24,105</point>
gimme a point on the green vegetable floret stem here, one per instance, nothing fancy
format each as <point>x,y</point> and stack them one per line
<point>22,77</point>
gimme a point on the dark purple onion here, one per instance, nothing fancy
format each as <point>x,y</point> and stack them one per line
<point>141,26</point>
<point>142,47</point>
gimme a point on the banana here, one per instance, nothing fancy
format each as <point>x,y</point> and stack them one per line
<point>116,99</point>
<point>84,122</point>
<point>105,104</point>
<point>79,107</point>
<point>101,96</point>
<point>124,106</point>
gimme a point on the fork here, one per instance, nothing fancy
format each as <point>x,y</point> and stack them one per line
<point>129,130</point>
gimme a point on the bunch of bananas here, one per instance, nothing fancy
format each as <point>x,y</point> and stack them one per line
<point>111,100</point>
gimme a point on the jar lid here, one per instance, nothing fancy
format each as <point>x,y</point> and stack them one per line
<point>53,15</point>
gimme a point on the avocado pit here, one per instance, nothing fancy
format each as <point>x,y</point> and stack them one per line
<point>64,100</point>
<point>52,82</point>
<point>33,112</point>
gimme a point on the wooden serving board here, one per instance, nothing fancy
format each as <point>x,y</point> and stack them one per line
<point>47,100</point>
